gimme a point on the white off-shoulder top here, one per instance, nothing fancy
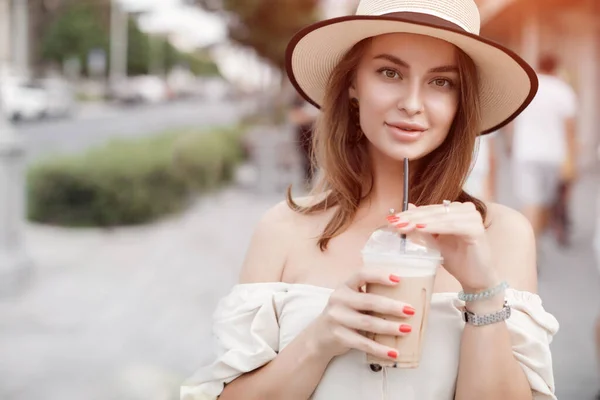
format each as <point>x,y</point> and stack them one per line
<point>256,321</point>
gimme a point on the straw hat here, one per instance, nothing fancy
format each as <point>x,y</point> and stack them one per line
<point>507,83</point>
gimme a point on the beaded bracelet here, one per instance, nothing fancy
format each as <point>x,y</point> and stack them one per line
<point>486,294</point>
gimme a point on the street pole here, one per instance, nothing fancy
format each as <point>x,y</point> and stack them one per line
<point>158,44</point>
<point>14,262</point>
<point>21,37</point>
<point>118,43</point>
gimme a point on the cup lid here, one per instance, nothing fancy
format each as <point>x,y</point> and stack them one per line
<point>388,242</point>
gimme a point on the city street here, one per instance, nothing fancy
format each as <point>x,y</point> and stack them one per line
<point>94,125</point>
<point>126,312</point>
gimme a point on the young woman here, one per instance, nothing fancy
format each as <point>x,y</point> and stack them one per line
<point>402,78</point>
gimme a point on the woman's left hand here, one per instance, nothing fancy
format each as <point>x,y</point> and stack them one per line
<point>458,232</point>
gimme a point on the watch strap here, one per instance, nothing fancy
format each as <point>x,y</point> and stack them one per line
<point>487,319</point>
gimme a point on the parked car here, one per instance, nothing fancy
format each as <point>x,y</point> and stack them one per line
<point>60,95</point>
<point>141,89</point>
<point>25,99</point>
<point>151,89</point>
<point>182,83</point>
<point>216,89</point>
<point>22,99</point>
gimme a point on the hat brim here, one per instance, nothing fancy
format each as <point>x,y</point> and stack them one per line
<point>507,83</point>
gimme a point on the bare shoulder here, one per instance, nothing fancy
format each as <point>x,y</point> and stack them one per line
<point>267,251</point>
<point>501,218</point>
<point>513,246</point>
<point>272,240</point>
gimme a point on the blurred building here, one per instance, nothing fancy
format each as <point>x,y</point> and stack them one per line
<point>27,22</point>
<point>14,46</point>
<point>568,29</point>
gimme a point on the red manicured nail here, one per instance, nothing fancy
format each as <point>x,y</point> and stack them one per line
<point>392,217</point>
<point>421,226</point>
<point>408,310</point>
<point>405,328</point>
<point>392,354</point>
<point>394,278</point>
<point>402,224</point>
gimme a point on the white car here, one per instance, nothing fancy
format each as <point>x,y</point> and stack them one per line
<point>22,100</point>
<point>60,96</point>
<point>182,83</point>
<point>141,89</point>
<point>151,89</point>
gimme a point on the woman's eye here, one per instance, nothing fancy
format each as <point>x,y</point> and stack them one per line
<point>442,82</point>
<point>390,73</point>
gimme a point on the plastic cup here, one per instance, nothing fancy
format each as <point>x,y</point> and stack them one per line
<point>416,265</point>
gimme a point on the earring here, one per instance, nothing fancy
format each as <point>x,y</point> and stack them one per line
<point>355,110</point>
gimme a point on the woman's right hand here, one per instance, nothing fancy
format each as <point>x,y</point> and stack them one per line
<point>336,330</point>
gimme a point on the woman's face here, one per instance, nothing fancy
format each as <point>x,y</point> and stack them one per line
<point>408,91</point>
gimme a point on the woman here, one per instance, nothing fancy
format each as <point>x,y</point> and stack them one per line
<point>399,79</point>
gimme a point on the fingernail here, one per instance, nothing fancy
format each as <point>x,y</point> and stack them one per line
<point>394,278</point>
<point>392,354</point>
<point>392,218</point>
<point>402,224</point>
<point>405,328</point>
<point>421,226</point>
<point>408,310</point>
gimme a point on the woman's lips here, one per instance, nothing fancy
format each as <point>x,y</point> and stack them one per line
<point>404,133</point>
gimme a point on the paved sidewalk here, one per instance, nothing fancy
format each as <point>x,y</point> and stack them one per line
<point>125,314</point>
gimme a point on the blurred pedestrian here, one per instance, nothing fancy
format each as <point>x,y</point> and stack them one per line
<point>543,141</point>
<point>303,116</point>
<point>481,182</point>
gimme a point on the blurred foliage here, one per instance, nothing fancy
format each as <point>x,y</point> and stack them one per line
<point>133,182</point>
<point>201,64</point>
<point>265,25</point>
<point>77,28</point>
<point>138,50</point>
<point>74,33</point>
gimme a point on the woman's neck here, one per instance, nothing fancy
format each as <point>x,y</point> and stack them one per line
<point>388,185</point>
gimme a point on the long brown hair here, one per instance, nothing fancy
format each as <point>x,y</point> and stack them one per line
<point>341,151</point>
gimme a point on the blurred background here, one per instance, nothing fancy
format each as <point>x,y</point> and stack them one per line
<point>140,142</point>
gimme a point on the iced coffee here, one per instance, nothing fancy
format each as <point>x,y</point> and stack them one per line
<point>416,265</point>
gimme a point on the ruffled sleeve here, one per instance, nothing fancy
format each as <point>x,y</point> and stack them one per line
<point>246,331</point>
<point>532,329</point>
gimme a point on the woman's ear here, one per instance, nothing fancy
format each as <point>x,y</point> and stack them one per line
<point>352,93</point>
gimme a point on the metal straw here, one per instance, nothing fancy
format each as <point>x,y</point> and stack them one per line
<point>405,200</point>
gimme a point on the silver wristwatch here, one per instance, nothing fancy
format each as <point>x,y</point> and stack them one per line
<point>480,320</point>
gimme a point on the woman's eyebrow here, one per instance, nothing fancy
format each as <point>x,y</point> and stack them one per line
<point>404,64</point>
<point>392,59</point>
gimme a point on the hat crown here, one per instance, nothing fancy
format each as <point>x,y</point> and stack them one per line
<point>463,13</point>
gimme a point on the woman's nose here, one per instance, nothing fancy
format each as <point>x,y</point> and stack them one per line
<point>411,100</point>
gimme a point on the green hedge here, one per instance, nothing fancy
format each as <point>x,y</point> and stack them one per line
<point>132,182</point>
